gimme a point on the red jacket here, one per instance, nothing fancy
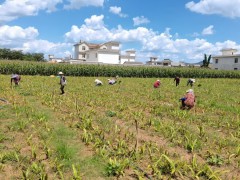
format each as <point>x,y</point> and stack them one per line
<point>156,84</point>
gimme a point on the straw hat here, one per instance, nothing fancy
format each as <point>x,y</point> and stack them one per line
<point>189,91</point>
<point>60,73</point>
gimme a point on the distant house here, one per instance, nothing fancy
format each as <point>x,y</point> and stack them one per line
<point>178,64</point>
<point>107,53</point>
<point>229,60</point>
<point>166,62</point>
<point>128,57</point>
<point>53,59</point>
<point>154,61</point>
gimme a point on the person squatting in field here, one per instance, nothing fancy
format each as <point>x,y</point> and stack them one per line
<point>98,82</point>
<point>63,82</point>
<point>190,82</point>
<point>16,78</point>
<point>177,80</point>
<point>157,83</point>
<point>188,101</point>
<point>112,81</point>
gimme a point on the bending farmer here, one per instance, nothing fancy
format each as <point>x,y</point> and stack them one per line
<point>188,101</point>
<point>16,78</point>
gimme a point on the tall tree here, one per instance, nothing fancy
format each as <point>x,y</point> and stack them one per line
<point>206,60</point>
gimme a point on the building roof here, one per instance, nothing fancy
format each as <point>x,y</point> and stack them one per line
<point>228,49</point>
<point>96,46</point>
<point>168,60</point>
<point>226,56</point>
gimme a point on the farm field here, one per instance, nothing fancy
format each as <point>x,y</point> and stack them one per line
<point>124,131</point>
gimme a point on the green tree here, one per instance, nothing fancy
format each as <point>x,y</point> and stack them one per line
<point>38,56</point>
<point>206,60</point>
<point>15,55</point>
<point>19,55</point>
<point>4,53</point>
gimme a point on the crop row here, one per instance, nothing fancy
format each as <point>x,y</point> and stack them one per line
<point>40,68</point>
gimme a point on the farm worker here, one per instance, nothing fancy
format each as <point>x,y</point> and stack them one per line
<point>156,84</point>
<point>190,81</point>
<point>98,82</point>
<point>177,80</point>
<point>188,100</point>
<point>112,81</point>
<point>63,82</point>
<point>16,78</point>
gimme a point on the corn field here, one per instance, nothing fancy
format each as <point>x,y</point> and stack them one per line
<point>46,69</point>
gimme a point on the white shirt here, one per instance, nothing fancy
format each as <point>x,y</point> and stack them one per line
<point>98,82</point>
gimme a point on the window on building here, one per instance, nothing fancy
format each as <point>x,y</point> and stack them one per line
<point>216,68</point>
<point>83,48</point>
<point>96,55</point>
<point>216,61</point>
<point>236,60</point>
<point>235,68</point>
<point>83,55</point>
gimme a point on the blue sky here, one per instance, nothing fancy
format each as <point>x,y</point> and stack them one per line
<point>181,30</point>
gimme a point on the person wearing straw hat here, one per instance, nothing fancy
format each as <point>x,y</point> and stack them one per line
<point>188,101</point>
<point>157,84</point>
<point>63,82</point>
<point>15,78</point>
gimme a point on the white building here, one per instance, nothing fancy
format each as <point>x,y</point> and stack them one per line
<point>107,53</point>
<point>154,61</point>
<point>229,60</point>
<point>53,59</point>
<point>166,62</point>
<point>128,57</point>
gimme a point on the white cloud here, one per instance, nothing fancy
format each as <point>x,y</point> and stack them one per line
<point>140,20</point>
<point>46,47</point>
<point>15,35</point>
<point>77,4</point>
<point>117,10</point>
<point>13,9</point>
<point>208,30</point>
<point>163,44</point>
<point>227,8</point>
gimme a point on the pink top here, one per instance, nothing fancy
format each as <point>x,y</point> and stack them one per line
<point>190,99</point>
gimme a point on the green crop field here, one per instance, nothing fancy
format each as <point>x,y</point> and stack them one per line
<point>125,131</point>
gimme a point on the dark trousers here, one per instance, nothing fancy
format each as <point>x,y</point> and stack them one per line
<point>183,103</point>
<point>62,89</point>
<point>177,83</point>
